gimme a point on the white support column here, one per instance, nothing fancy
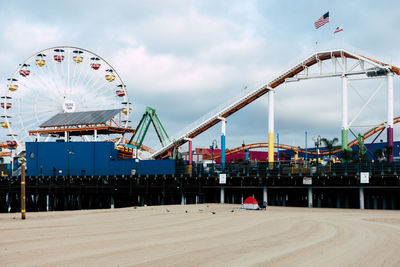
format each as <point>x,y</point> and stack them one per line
<point>390,99</point>
<point>47,202</point>
<point>111,202</point>
<point>222,195</point>
<point>183,199</point>
<point>361,198</point>
<point>66,136</point>
<point>310,197</point>
<point>271,126</point>
<point>265,195</point>
<point>95,135</point>
<point>345,122</point>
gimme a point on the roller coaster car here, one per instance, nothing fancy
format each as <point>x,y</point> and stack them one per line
<point>11,143</point>
<point>329,159</point>
<point>124,151</point>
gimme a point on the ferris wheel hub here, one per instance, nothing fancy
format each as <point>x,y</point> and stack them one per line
<point>69,106</point>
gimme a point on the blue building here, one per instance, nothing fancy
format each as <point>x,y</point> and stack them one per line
<point>87,158</point>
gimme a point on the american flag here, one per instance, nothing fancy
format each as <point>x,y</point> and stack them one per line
<point>322,20</point>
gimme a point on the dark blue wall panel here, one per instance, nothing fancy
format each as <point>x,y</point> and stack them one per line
<point>87,158</point>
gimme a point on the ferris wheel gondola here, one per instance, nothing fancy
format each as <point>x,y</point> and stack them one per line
<point>71,77</point>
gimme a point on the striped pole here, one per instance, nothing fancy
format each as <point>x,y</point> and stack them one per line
<point>271,126</point>
<point>23,196</point>
<point>190,153</point>
<point>223,133</point>
<point>190,157</point>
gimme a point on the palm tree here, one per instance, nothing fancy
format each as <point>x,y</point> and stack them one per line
<point>329,144</point>
<point>347,155</point>
<point>379,154</point>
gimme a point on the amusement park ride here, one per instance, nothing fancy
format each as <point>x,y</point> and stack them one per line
<point>342,63</point>
<point>62,80</point>
<point>64,92</point>
<point>71,94</point>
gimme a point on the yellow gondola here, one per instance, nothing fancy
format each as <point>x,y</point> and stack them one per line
<point>110,77</point>
<point>77,59</point>
<point>12,87</point>
<point>4,124</point>
<point>40,62</point>
<point>126,111</point>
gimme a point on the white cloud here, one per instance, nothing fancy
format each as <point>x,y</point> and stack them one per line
<point>25,35</point>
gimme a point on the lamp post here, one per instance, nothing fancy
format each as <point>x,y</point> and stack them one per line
<point>214,144</point>
<point>317,141</point>
<point>277,147</point>
<point>306,150</point>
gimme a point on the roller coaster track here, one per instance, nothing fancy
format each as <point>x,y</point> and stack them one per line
<point>322,152</point>
<point>294,72</point>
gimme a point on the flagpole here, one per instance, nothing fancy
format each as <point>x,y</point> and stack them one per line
<point>329,28</point>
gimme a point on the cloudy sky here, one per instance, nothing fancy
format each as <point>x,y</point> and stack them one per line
<point>185,58</point>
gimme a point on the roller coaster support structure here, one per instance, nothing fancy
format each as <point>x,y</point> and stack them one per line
<point>223,133</point>
<point>345,123</point>
<point>390,116</point>
<point>271,126</point>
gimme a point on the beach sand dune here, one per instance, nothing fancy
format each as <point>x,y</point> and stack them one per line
<point>206,234</point>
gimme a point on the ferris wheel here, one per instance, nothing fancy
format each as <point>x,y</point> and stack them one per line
<point>60,80</point>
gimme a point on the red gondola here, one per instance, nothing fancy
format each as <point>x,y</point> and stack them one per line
<point>8,105</point>
<point>24,70</point>
<point>24,73</point>
<point>58,56</point>
<point>120,93</point>
<point>95,65</point>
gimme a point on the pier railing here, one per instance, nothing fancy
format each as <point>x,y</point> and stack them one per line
<point>290,169</point>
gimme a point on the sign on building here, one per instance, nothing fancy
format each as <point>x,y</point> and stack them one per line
<point>364,177</point>
<point>307,180</point>
<point>222,178</point>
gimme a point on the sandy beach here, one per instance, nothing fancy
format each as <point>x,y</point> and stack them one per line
<point>207,234</point>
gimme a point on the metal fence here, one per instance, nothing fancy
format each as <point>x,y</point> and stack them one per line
<point>276,169</point>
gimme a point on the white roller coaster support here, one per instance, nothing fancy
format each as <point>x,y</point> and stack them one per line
<point>390,99</point>
<point>271,126</point>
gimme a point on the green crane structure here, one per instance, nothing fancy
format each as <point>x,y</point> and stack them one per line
<point>149,116</point>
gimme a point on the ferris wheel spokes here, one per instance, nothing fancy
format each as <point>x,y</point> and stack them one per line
<point>56,78</point>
